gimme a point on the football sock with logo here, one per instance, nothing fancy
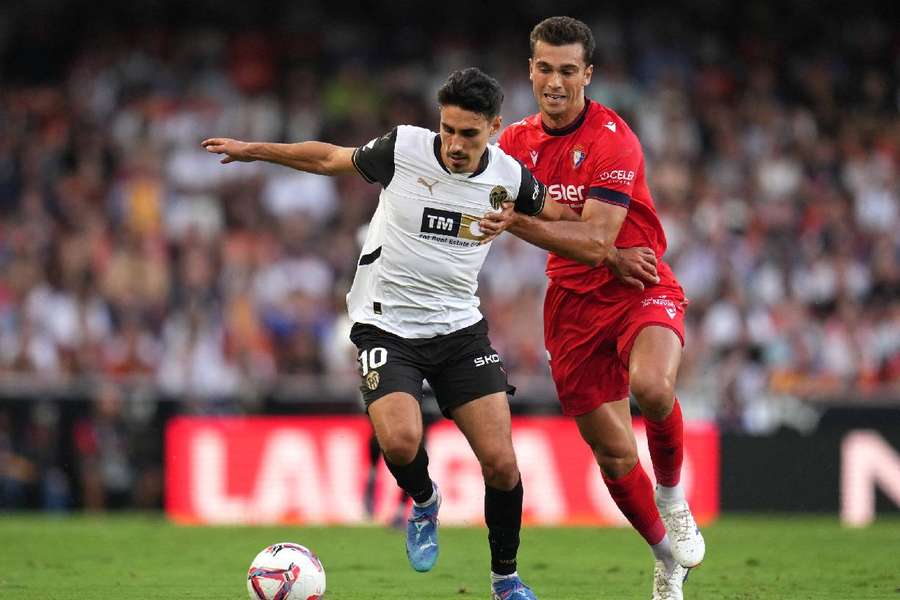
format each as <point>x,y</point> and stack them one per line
<point>413,478</point>
<point>503,516</point>
<point>633,494</point>
<point>666,441</point>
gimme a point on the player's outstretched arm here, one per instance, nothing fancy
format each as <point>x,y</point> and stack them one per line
<point>312,157</point>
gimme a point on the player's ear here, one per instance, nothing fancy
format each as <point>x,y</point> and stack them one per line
<point>588,73</point>
<point>496,122</point>
<point>530,69</point>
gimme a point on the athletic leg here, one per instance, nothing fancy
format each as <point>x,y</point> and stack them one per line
<point>486,424</point>
<point>397,421</point>
<point>607,430</point>
<point>653,368</point>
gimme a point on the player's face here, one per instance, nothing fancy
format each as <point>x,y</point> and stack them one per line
<point>464,137</point>
<point>558,77</point>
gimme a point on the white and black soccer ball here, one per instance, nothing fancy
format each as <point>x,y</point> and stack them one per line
<point>286,572</point>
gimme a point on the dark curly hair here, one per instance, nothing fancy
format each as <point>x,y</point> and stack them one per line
<point>561,31</point>
<point>473,90</point>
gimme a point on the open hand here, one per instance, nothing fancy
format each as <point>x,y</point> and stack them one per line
<point>232,149</point>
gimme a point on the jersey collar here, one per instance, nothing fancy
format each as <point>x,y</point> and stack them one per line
<point>571,126</point>
<point>482,164</point>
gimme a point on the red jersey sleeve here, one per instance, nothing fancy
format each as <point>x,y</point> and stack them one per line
<point>616,170</point>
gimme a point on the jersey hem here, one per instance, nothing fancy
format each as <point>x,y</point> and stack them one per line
<point>386,327</point>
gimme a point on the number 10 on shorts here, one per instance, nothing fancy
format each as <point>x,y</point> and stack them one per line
<point>372,358</point>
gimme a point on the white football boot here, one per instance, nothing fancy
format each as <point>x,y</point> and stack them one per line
<point>688,547</point>
<point>667,585</point>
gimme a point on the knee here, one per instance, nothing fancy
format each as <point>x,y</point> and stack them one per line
<point>401,446</point>
<point>500,471</point>
<point>615,460</point>
<point>655,394</point>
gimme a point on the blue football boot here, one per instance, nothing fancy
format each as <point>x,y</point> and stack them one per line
<point>422,535</point>
<point>511,588</point>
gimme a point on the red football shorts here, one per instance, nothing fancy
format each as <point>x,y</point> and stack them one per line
<point>589,340</point>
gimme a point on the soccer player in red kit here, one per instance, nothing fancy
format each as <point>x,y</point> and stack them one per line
<point>607,334</point>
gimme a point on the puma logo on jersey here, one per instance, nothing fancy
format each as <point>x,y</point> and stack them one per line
<point>424,182</point>
<point>534,157</point>
<point>611,126</point>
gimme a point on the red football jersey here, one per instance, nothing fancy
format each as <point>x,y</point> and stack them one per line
<point>597,156</point>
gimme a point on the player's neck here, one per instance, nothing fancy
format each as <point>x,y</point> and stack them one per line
<point>565,119</point>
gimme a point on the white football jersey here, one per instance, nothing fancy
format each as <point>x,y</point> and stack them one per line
<point>418,270</point>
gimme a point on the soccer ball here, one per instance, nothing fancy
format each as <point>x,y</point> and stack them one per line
<point>286,572</point>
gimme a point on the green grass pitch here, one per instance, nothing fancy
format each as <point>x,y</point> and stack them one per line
<point>147,558</point>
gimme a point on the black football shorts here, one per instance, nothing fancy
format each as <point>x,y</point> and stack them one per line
<point>460,366</point>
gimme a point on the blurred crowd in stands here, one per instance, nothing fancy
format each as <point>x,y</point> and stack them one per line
<point>129,254</point>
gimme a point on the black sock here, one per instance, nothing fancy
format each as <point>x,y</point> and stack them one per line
<point>503,515</point>
<point>413,478</point>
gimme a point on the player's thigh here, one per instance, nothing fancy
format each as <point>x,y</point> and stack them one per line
<point>651,343</point>
<point>397,420</point>
<point>607,430</point>
<point>653,369</point>
<point>391,372</point>
<point>656,353</point>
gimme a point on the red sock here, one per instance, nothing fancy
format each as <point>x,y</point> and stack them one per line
<point>666,441</point>
<point>633,494</point>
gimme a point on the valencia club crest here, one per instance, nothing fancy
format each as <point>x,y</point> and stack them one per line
<point>578,155</point>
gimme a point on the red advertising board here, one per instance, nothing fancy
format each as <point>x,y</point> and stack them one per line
<point>314,470</point>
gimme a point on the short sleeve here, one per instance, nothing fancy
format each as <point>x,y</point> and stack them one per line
<point>616,173</point>
<point>532,194</point>
<point>375,160</point>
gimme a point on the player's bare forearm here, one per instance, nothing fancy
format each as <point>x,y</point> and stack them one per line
<point>575,240</point>
<point>554,211</point>
<point>312,157</point>
<point>567,214</point>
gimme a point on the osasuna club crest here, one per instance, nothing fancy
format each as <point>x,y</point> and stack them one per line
<point>578,155</point>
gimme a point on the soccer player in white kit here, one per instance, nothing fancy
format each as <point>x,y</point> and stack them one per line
<point>413,299</point>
